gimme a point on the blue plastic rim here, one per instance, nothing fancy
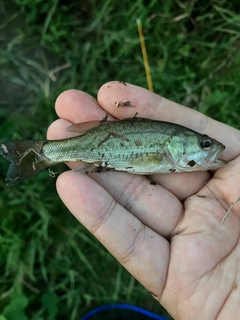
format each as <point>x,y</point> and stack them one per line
<point>122,306</point>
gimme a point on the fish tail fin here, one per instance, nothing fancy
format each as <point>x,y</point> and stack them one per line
<point>26,159</point>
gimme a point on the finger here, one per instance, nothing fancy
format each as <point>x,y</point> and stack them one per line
<point>132,243</point>
<point>224,187</point>
<point>58,130</point>
<point>183,184</point>
<point>76,106</point>
<point>151,105</point>
<point>152,204</point>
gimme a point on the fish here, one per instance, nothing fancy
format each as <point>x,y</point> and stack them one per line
<point>135,145</point>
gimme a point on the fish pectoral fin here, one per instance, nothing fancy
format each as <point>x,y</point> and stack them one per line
<point>171,160</point>
<point>190,166</point>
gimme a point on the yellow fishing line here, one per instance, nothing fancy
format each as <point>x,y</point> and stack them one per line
<point>145,56</point>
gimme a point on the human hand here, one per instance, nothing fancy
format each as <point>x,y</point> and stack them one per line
<point>168,235</point>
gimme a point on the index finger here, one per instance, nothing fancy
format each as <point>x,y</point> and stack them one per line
<point>150,105</point>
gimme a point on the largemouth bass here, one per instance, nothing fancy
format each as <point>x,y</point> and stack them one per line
<point>136,145</point>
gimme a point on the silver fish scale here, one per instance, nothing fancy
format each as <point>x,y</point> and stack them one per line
<point>110,143</point>
<point>137,145</point>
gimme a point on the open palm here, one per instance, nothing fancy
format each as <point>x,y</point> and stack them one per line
<point>168,234</point>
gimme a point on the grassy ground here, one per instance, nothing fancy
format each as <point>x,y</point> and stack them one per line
<point>50,266</point>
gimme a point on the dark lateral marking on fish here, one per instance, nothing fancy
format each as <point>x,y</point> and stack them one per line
<point>138,143</point>
<point>119,136</point>
<point>172,170</point>
<point>115,135</point>
<point>191,163</point>
<point>104,140</point>
<point>201,196</point>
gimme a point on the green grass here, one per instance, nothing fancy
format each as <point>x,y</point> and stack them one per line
<point>50,266</point>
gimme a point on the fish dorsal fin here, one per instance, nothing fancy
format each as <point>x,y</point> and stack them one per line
<point>83,127</point>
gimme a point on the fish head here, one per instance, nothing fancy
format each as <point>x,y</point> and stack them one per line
<point>195,152</point>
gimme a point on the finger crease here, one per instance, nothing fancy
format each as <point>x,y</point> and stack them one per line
<point>136,244</point>
<point>134,194</point>
<point>103,215</point>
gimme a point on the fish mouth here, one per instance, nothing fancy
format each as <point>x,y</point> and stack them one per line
<point>217,163</point>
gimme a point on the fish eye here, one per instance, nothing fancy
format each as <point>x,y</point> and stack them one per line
<point>206,144</point>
